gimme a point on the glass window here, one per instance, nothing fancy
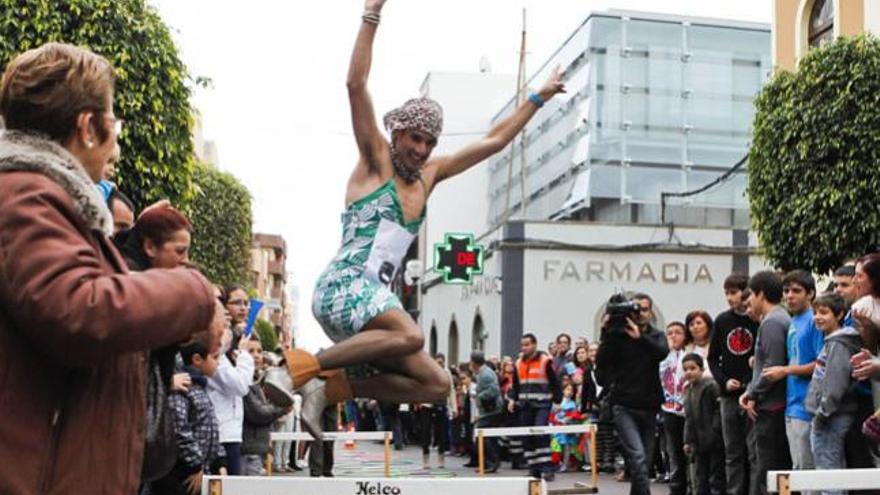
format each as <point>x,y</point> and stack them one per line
<point>821,23</point>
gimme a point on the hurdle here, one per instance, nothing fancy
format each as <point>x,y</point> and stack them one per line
<point>385,436</point>
<point>524,431</point>
<point>255,485</point>
<point>786,482</point>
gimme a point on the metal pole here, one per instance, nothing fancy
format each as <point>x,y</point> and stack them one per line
<point>520,82</point>
<point>524,203</point>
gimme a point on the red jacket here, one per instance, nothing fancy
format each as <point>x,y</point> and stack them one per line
<point>74,330</point>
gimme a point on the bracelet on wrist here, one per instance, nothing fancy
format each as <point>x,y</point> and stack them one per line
<point>537,100</point>
<point>371,17</point>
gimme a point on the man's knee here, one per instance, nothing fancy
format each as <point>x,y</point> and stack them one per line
<point>413,339</point>
<point>440,386</point>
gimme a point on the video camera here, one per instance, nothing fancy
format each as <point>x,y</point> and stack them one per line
<point>618,309</point>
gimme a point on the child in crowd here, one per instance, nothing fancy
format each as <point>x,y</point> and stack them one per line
<point>198,439</point>
<point>259,414</point>
<point>831,396</point>
<point>702,427</point>
<point>672,409</point>
<point>565,413</point>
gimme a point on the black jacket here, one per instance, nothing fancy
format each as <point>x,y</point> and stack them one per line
<point>702,424</point>
<point>629,367</point>
<point>259,414</point>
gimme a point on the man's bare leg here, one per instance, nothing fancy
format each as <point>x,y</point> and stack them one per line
<point>389,335</point>
<point>412,378</point>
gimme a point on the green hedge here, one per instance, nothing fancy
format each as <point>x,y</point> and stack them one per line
<point>266,332</point>
<point>221,217</point>
<point>151,90</point>
<point>814,179</point>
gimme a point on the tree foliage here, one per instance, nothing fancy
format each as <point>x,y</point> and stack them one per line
<point>221,217</point>
<point>151,88</point>
<point>814,179</point>
<point>267,334</point>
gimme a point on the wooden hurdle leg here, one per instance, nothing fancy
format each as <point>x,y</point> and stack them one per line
<point>783,483</point>
<point>215,487</point>
<point>387,455</point>
<point>594,464</point>
<point>481,453</point>
<point>269,465</point>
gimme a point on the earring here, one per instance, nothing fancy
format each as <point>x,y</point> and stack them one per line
<point>89,144</point>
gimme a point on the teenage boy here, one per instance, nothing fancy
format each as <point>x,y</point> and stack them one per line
<point>804,342</point>
<point>764,400</point>
<point>732,346</point>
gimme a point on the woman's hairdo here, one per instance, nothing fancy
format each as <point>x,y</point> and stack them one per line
<point>45,89</point>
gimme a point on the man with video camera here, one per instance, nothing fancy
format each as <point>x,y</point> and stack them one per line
<point>628,361</point>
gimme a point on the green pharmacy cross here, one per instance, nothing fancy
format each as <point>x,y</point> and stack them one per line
<point>458,258</point>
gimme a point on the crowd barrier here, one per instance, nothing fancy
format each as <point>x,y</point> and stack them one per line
<point>524,431</point>
<point>254,485</point>
<point>786,482</point>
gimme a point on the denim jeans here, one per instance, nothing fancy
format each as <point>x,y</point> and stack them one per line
<point>490,444</point>
<point>252,465</point>
<point>635,429</point>
<point>233,458</point>
<point>827,438</point>
<point>740,458</point>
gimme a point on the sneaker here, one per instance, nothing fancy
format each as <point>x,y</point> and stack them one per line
<point>548,477</point>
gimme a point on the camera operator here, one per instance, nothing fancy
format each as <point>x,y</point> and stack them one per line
<point>628,361</point>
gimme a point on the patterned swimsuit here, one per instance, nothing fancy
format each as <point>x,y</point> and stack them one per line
<point>348,295</point>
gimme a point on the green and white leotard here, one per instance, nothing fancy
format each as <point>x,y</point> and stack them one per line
<point>354,288</point>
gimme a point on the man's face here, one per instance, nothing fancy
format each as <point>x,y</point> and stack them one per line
<point>563,344</point>
<point>414,147</point>
<point>123,218</point>
<point>734,298</point>
<point>797,298</point>
<point>527,347</point>
<point>757,301</point>
<point>646,314</point>
<point>845,288</point>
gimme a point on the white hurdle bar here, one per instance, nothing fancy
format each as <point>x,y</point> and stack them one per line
<point>385,436</point>
<point>786,482</point>
<point>525,431</point>
<point>253,485</point>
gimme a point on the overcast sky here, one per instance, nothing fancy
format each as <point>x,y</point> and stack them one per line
<point>278,109</point>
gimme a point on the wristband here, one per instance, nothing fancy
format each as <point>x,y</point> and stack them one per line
<point>534,98</point>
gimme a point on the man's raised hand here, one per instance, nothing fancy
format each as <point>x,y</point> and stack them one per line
<point>553,86</point>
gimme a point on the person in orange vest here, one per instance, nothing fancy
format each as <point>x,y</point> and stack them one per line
<point>535,389</point>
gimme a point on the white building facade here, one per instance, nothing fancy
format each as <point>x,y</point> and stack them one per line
<point>655,104</point>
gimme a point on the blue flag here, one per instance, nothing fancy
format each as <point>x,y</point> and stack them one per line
<point>256,306</point>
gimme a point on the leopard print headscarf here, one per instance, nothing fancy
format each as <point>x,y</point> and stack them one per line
<point>421,114</point>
